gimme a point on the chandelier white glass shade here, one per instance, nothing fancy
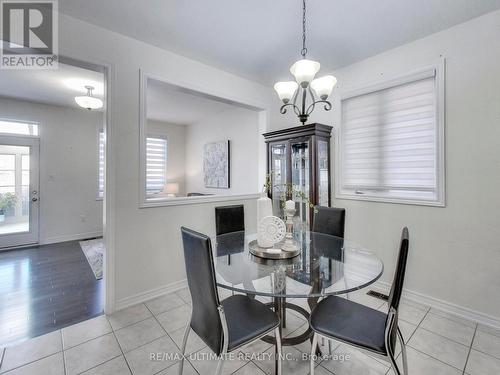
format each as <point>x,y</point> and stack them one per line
<point>304,71</point>
<point>286,90</point>
<point>323,86</point>
<point>305,84</point>
<point>89,101</point>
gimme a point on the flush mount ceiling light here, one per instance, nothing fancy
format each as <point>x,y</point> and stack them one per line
<point>88,101</point>
<point>304,71</point>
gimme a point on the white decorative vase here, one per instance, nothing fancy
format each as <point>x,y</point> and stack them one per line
<point>264,208</point>
<point>270,231</point>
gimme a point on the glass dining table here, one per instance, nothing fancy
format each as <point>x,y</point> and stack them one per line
<point>327,265</point>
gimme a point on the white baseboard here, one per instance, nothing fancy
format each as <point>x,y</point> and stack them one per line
<point>445,306</point>
<point>150,294</point>
<point>384,287</point>
<point>69,237</point>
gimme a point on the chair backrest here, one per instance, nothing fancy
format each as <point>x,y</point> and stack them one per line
<point>397,284</point>
<point>230,243</point>
<point>229,219</point>
<point>329,220</point>
<point>205,319</point>
<point>399,275</point>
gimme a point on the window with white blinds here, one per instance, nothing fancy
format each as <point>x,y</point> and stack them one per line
<point>100,167</point>
<point>156,165</point>
<point>390,142</point>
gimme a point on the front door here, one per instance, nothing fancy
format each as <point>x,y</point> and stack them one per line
<point>19,201</point>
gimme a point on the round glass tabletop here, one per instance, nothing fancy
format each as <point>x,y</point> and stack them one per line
<point>327,265</point>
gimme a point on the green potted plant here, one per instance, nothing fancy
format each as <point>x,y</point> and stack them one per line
<point>7,202</point>
<point>287,191</point>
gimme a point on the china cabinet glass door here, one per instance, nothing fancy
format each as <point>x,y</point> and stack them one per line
<point>323,173</point>
<point>301,174</point>
<point>278,170</point>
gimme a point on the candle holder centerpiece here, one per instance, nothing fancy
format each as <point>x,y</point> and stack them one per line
<point>290,244</point>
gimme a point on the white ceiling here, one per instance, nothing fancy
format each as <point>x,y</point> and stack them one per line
<point>55,87</point>
<point>168,104</point>
<point>259,39</point>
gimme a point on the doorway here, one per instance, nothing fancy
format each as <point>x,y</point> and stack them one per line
<point>52,198</point>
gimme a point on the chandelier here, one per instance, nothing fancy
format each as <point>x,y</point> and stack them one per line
<point>89,101</point>
<point>304,70</point>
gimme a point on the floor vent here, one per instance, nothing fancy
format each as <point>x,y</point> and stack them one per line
<point>378,295</point>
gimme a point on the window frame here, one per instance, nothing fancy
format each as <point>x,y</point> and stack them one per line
<point>439,70</point>
<point>19,121</point>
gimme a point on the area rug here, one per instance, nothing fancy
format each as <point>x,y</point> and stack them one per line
<point>94,252</point>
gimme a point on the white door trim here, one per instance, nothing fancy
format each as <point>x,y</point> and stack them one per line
<point>109,206</point>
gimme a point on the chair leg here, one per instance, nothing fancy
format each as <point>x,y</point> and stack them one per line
<point>183,347</point>
<point>218,371</point>
<point>403,352</point>
<point>279,351</point>
<point>392,359</point>
<point>314,345</point>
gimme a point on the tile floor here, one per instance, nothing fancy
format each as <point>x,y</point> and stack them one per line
<point>438,344</point>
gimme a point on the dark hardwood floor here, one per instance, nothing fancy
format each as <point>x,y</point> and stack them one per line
<point>45,288</point>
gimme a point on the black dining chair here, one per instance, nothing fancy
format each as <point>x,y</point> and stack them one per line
<point>329,220</point>
<point>362,327</point>
<point>229,219</point>
<point>224,326</point>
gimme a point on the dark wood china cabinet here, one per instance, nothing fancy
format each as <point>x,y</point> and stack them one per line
<point>300,157</point>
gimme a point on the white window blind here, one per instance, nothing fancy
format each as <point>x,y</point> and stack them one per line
<point>389,142</point>
<point>156,165</point>
<point>102,147</point>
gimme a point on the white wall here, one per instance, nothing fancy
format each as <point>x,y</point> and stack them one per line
<point>147,241</point>
<point>240,127</point>
<point>68,168</point>
<point>455,251</point>
<point>176,150</point>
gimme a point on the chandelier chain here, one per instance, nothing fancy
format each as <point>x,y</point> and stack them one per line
<point>304,49</point>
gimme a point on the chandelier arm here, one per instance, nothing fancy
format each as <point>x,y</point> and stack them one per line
<point>294,101</point>
<point>283,108</point>
<point>295,95</point>
<point>296,110</point>
<point>304,99</point>
<point>328,106</point>
<point>295,107</point>
<point>310,109</point>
